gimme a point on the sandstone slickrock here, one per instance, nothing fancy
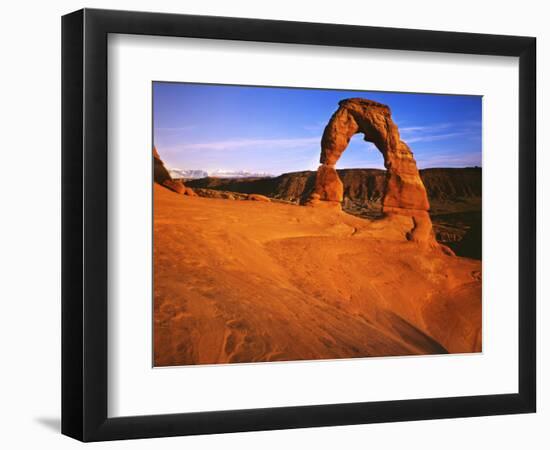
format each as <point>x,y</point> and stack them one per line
<point>213,193</point>
<point>242,281</point>
<point>163,177</point>
<point>258,198</point>
<point>404,193</point>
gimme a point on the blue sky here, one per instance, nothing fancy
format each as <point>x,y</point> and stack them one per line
<point>278,130</point>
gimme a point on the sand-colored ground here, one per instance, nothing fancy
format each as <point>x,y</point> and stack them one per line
<point>245,281</point>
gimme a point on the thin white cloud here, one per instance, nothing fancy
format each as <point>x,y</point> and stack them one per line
<point>443,160</point>
<point>256,144</point>
<point>302,153</point>
<point>439,132</point>
<point>317,127</point>
<point>426,133</point>
<point>175,129</point>
<point>417,129</point>
<point>434,137</point>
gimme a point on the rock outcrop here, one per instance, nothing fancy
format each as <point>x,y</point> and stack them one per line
<point>214,193</point>
<point>162,177</point>
<point>404,192</point>
<point>258,198</point>
<point>449,189</point>
<point>454,195</point>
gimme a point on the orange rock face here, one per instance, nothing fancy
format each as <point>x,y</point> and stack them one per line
<point>250,281</point>
<point>188,191</point>
<point>328,185</point>
<point>162,177</point>
<point>175,185</point>
<point>258,198</point>
<point>405,193</point>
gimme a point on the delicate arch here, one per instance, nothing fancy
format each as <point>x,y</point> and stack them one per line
<point>404,191</point>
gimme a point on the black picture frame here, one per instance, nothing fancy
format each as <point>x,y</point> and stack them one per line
<point>84,224</point>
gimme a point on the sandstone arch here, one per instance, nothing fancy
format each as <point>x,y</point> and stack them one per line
<point>404,194</point>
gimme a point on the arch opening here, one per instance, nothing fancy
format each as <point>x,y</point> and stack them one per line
<point>361,170</point>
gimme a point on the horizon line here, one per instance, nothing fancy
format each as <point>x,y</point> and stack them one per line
<point>268,175</point>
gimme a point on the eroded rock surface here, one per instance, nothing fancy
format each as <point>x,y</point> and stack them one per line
<point>243,281</point>
<point>404,192</point>
<point>162,177</point>
<point>258,198</point>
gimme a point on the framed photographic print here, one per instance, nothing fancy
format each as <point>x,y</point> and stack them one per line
<point>273,224</point>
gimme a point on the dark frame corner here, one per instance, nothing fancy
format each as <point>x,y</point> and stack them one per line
<point>84,224</point>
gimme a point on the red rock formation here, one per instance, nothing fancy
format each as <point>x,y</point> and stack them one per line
<point>404,194</point>
<point>162,177</point>
<point>258,198</point>
<point>328,187</point>
<point>188,191</point>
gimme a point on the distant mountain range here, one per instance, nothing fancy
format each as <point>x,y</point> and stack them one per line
<point>193,174</point>
<point>189,173</point>
<point>449,190</point>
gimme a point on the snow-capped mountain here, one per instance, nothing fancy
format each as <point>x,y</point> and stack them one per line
<point>189,173</point>
<point>237,174</point>
<point>198,173</point>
